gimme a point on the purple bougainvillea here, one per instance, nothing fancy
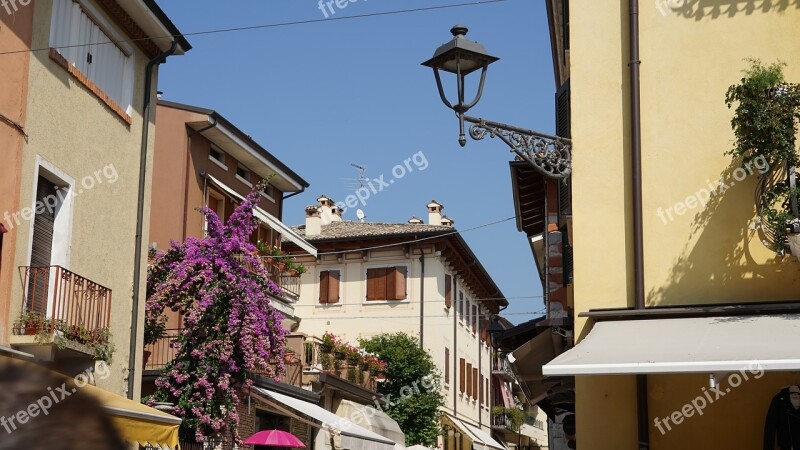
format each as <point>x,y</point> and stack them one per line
<point>221,289</point>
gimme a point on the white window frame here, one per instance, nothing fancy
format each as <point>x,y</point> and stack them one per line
<point>220,163</point>
<point>327,306</point>
<point>244,180</point>
<point>387,265</point>
<point>61,253</point>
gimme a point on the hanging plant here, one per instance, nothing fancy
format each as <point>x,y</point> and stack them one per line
<point>765,126</point>
<point>230,327</point>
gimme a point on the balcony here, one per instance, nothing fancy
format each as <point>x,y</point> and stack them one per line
<point>62,313</point>
<point>304,362</point>
<point>501,367</point>
<point>501,421</point>
<point>287,281</point>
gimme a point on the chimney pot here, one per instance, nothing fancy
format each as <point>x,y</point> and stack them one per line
<point>313,221</point>
<point>435,213</point>
<point>415,221</point>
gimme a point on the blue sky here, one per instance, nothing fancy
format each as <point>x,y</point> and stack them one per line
<point>321,96</point>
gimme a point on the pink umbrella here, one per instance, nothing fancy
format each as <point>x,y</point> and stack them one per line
<point>275,438</point>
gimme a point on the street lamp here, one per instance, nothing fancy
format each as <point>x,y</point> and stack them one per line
<point>551,155</point>
<point>496,332</point>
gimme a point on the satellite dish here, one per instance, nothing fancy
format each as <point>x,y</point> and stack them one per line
<point>360,214</point>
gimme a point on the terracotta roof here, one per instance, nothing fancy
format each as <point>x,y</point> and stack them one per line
<point>351,230</point>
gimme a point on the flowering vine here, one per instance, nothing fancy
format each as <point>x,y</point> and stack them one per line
<point>221,289</point>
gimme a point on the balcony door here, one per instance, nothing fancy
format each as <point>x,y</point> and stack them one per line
<point>42,245</point>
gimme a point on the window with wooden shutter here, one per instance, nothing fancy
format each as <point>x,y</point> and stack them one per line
<point>474,318</point>
<point>446,360</point>
<point>42,245</point>
<point>448,291</point>
<point>480,389</point>
<point>461,375</point>
<point>329,286</point>
<point>387,283</point>
<point>469,380</point>
<point>484,327</point>
<point>475,383</point>
<point>486,389</point>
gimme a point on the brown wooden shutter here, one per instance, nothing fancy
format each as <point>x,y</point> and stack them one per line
<point>446,361</point>
<point>376,284</point>
<point>480,389</point>
<point>391,283</point>
<point>484,327</point>
<point>469,380</point>
<point>400,274</point>
<point>448,291</point>
<point>324,286</point>
<point>42,246</point>
<point>461,375</point>
<point>486,390</point>
<point>475,383</point>
<point>333,286</point>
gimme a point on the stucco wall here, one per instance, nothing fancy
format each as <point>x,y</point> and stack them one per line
<point>74,132</point>
<point>15,34</point>
<point>355,318</point>
<point>705,255</point>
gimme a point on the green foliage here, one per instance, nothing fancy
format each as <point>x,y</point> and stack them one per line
<point>765,127</point>
<point>412,386</point>
<point>516,417</point>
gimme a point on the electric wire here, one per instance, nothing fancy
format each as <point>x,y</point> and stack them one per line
<point>270,25</point>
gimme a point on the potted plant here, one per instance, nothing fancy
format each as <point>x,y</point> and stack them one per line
<point>340,351</point>
<point>31,322</point>
<point>765,128</point>
<point>353,355</point>
<point>328,342</point>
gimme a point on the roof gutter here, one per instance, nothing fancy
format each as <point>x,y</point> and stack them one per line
<point>137,258</point>
<point>643,420</point>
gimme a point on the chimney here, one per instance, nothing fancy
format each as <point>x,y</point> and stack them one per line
<point>313,221</point>
<point>325,209</point>
<point>415,221</point>
<point>435,213</point>
<point>336,214</point>
<point>448,222</point>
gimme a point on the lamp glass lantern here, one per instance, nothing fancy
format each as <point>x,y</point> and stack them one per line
<point>461,57</point>
<point>496,332</point>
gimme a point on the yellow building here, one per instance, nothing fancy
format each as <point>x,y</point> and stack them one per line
<point>73,120</point>
<point>688,348</point>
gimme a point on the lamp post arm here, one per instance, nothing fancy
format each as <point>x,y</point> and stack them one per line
<point>550,155</point>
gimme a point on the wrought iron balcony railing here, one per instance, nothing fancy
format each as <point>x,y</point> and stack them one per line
<point>501,366</point>
<point>56,299</point>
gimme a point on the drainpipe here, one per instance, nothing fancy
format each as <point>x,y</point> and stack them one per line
<point>636,184</point>
<point>456,373</point>
<point>422,298</point>
<point>137,258</point>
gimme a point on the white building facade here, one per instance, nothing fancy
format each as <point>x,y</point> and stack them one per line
<point>415,278</point>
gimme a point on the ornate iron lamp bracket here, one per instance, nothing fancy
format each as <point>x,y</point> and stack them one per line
<point>550,155</point>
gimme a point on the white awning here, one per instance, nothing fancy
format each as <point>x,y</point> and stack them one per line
<point>268,219</point>
<point>372,419</point>
<point>480,439</point>
<point>351,436</point>
<point>690,345</point>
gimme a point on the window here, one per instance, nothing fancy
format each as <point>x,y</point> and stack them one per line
<point>475,383</point>
<point>387,283</point>
<point>474,318</point>
<point>480,388</point>
<point>329,287</point>
<point>486,391</point>
<point>448,291</point>
<point>243,175</point>
<point>446,365</point>
<point>107,62</point>
<point>460,304</point>
<point>461,375</point>
<point>217,156</point>
<point>269,192</point>
<point>469,380</point>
